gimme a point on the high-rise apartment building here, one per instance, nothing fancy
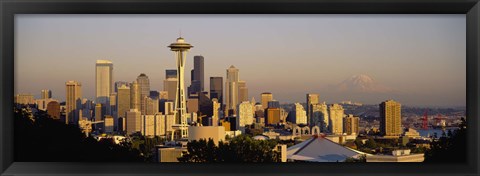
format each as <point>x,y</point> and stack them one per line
<point>266,97</point>
<point>73,102</point>
<point>390,118</point>
<point>336,113</point>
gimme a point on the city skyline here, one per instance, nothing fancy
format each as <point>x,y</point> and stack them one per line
<point>445,86</point>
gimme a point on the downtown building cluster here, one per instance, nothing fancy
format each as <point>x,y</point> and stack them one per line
<point>131,107</point>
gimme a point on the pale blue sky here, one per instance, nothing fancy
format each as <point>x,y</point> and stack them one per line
<point>421,56</point>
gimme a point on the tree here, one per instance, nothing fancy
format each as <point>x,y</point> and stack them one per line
<point>239,149</point>
<point>451,148</point>
<point>45,139</point>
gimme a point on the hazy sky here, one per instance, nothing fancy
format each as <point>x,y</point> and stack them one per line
<point>421,57</point>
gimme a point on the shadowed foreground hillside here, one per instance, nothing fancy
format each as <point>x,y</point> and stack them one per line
<point>43,139</point>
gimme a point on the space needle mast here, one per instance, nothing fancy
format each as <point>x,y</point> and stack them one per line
<point>180,48</point>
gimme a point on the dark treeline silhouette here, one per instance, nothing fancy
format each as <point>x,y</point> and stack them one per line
<point>240,149</point>
<point>42,139</point>
<point>451,148</point>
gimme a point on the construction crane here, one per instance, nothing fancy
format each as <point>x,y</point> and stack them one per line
<point>425,120</point>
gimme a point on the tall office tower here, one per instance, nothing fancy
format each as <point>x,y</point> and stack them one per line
<point>245,115</point>
<point>144,85</point>
<point>231,89</point>
<point>170,86</point>
<point>171,73</point>
<point>180,47</point>
<point>113,108</point>
<point>163,95</point>
<point>135,96</point>
<point>123,100</point>
<point>133,121</point>
<point>192,105</point>
<point>73,101</point>
<point>198,69</point>
<point>216,88</point>
<point>350,124</point>
<point>273,104</point>
<point>46,94</point>
<point>103,81</point>
<point>205,104</point>
<point>273,116</point>
<point>242,91</point>
<point>266,97</point>
<point>312,99</point>
<point>119,84</point>
<point>298,115</point>
<point>53,110</point>
<point>320,116</point>
<point>390,118</point>
<point>109,124</point>
<point>99,112</point>
<point>336,119</point>
<point>216,109</point>
<point>151,106</point>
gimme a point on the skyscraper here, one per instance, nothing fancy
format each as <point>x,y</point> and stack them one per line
<point>103,81</point>
<point>46,94</point>
<point>242,91</point>
<point>180,48</point>
<point>170,84</point>
<point>320,116</point>
<point>245,115</point>
<point>135,97</point>
<point>216,109</point>
<point>350,124</point>
<point>390,118</point>
<point>133,121</point>
<point>123,100</point>
<point>144,86</point>
<point>231,88</point>
<point>216,89</point>
<point>266,97</point>
<point>312,99</point>
<point>198,68</point>
<point>298,115</point>
<point>336,113</point>
<point>73,101</point>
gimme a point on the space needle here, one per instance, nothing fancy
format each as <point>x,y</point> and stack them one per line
<point>180,48</point>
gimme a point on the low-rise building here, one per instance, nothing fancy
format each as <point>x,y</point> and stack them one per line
<point>397,156</point>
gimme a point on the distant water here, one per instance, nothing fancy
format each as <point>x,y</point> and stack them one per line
<point>425,133</point>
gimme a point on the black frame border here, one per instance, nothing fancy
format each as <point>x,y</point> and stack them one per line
<point>8,9</point>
